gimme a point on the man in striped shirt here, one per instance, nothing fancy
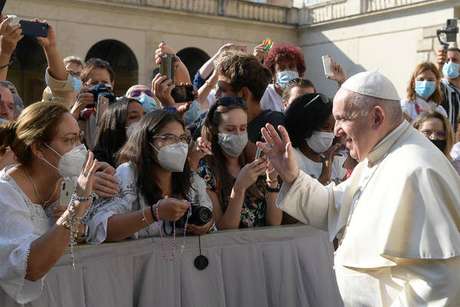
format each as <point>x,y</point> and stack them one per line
<point>449,63</point>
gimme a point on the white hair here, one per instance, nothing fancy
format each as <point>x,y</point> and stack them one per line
<point>359,104</point>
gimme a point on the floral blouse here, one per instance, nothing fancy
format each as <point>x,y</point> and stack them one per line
<point>254,207</point>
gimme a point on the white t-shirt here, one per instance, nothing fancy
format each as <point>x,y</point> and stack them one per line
<point>271,100</point>
<point>414,108</point>
<point>314,169</point>
<point>21,223</point>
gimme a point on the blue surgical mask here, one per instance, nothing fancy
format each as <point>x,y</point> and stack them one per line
<point>425,89</point>
<point>284,77</point>
<point>148,103</point>
<point>76,84</point>
<point>451,70</point>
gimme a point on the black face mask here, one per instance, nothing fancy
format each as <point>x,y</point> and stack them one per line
<point>441,144</point>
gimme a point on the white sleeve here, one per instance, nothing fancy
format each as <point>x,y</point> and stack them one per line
<point>307,200</point>
<point>16,235</point>
<point>122,203</point>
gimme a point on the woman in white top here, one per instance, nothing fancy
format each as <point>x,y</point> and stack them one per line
<point>157,187</point>
<point>286,62</point>
<point>423,92</point>
<point>46,142</point>
<point>310,125</point>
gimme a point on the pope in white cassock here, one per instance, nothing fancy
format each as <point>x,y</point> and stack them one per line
<point>397,217</point>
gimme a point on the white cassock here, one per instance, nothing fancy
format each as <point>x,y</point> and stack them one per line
<point>398,217</point>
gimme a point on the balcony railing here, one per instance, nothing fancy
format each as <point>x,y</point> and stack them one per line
<point>229,8</point>
<point>313,14</point>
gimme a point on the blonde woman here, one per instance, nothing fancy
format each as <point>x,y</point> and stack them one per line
<point>423,92</point>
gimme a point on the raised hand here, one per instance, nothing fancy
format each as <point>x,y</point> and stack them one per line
<point>249,173</point>
<point>85,182</point>
<point>338,74</point>
<point>278,150</point>
<point>49,41</point>
<point>161,88</point>
<point>10,36</point>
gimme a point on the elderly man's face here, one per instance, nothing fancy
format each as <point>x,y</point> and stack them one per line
<point>7,107</point>
<point>355,128</point>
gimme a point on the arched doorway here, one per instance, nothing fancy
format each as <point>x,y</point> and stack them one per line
<point>27,71</point>
<point>122,59</point>
<point>193,58</point>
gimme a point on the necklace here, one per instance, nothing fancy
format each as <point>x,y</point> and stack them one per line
<point>33,184</point>
<point>45,203</point>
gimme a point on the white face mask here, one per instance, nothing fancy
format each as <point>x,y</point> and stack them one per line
<point>233,144</point>
<point>320,141</point>
<point>172,157</point>
<point>71,163</point>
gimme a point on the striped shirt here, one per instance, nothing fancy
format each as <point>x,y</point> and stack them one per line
<point>451,102</point>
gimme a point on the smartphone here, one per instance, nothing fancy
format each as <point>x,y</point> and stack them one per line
<point>258,153</point>
<point>67,189</point>
<point>327,65</point>
<point>166,66</point>
<point>2,6</point>
<point>33,28</point>
<point>183,93</point>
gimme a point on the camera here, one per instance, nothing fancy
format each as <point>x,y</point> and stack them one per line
<point>102,90</point>
<point>200,216</point>
<point>450,32</point>
<point>183,93</point>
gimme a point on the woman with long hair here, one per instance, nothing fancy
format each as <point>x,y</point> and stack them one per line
<point>157,187</point>
<point>242,196</point>
<point>423,92</point>
<point>46,142</point>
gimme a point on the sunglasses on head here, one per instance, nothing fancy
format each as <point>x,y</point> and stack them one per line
<point>231,101</point>
<point>319,98</point>
<point>137,93</point>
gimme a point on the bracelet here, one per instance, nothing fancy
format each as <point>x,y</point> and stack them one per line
<point>154,211</point>
<point>275,189</point>
<point>144,218</point>
<point>80,199</point>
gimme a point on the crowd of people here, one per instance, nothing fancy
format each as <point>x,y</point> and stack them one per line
<point>83,166</point>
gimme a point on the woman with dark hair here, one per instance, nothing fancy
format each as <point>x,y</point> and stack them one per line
<point>117,123</point>
<point>286,63</point>
<point>156,184</point>
<point>310,125</point>
<point>242,197</point>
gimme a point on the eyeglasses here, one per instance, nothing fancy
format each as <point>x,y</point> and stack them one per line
<point>434,135</point>
<point>320,98</point>
<point>137,93</point>
<point>170,139</point>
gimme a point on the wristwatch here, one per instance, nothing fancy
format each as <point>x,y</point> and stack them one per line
<point>275,189</point>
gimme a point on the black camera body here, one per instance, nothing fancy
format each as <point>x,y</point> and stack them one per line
<point>450,32</point>
<point>200,216</point>
<point>103,90</point>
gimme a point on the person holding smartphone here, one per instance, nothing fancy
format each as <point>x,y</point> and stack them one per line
<point>46,142</point>
<point>243,194</point>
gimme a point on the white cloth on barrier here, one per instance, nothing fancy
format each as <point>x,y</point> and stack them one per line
<point>277,266</point>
